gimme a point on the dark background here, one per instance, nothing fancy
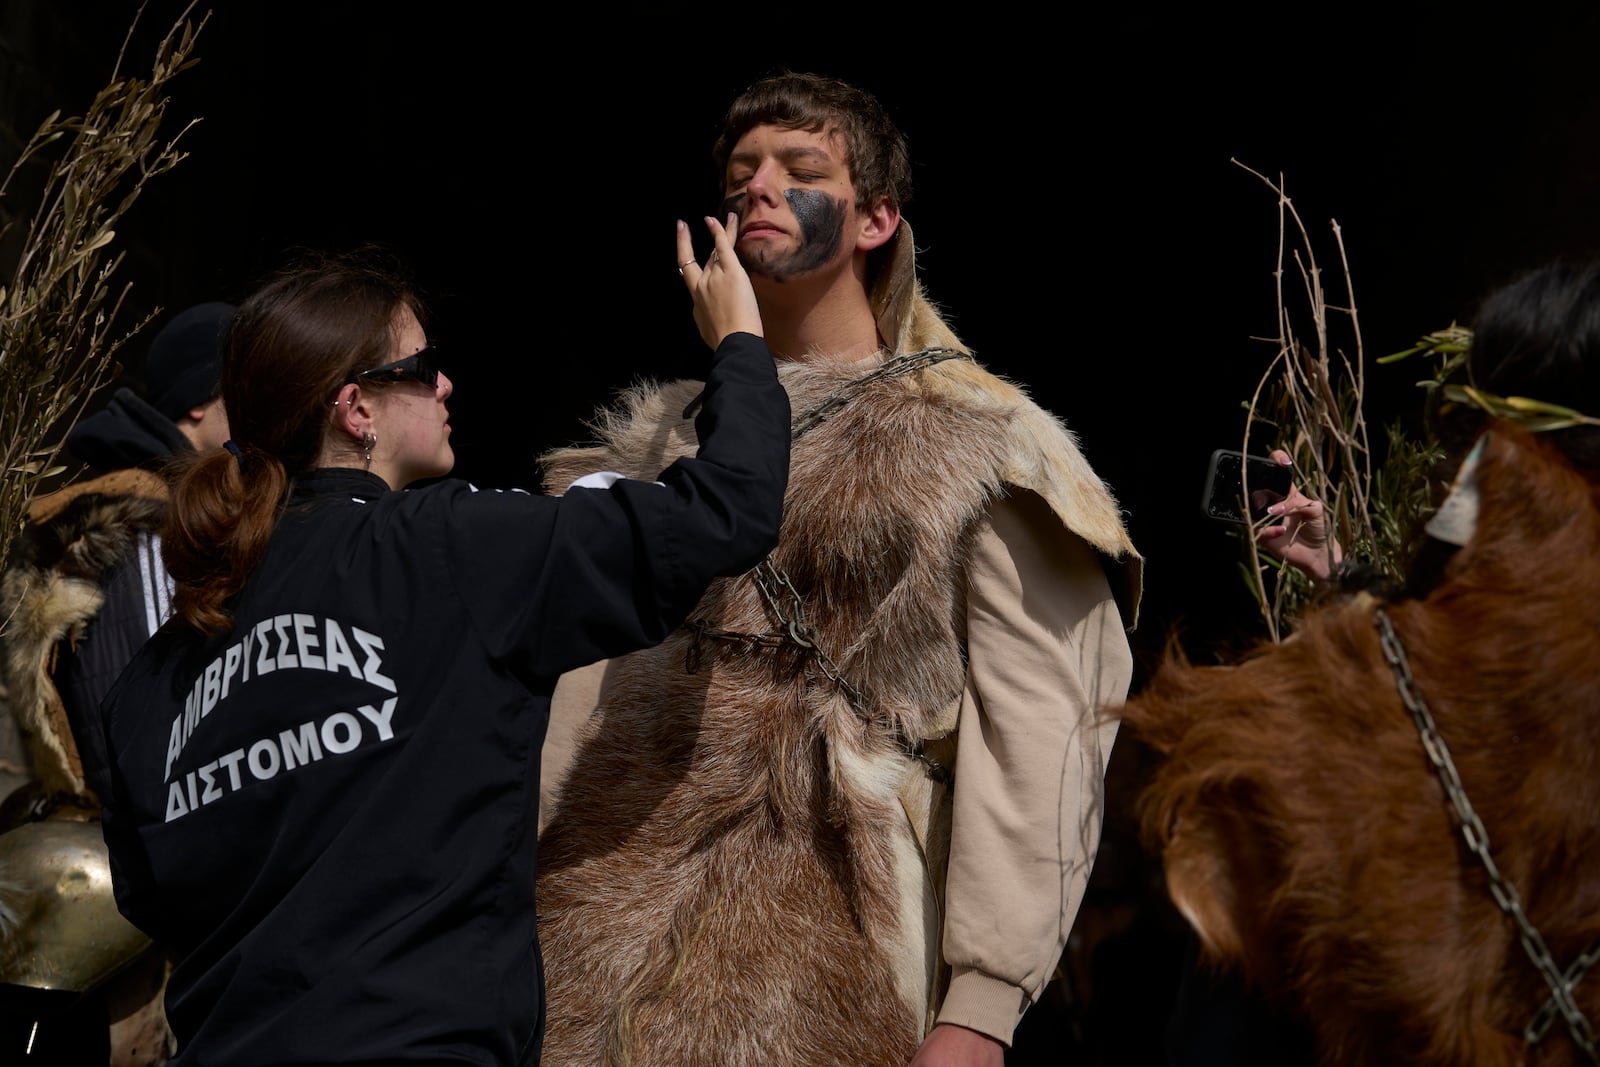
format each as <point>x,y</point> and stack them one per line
<point>1076,209</point>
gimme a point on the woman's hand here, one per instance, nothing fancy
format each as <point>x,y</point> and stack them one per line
<point>724,302</point>
<point>1300,535</point>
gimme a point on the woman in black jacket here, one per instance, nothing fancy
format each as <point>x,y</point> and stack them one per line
<point>321,776</point>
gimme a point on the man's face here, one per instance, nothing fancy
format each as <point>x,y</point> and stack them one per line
<point>795,202</point>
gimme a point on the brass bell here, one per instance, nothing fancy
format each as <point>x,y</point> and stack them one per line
<point>59,924</point>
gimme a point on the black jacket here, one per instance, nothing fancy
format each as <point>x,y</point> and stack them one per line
<point>127,432</point>
<point>330,811</point>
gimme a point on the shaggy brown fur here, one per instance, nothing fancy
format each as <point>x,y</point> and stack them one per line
<point>1308,839</point>
<point>725,878</point>
<point>52,589</point>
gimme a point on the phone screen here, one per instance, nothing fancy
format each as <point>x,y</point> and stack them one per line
<point>1224,496</point>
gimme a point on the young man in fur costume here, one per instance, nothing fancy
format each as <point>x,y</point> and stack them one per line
<point>847,813</point>
<point>84,589</point>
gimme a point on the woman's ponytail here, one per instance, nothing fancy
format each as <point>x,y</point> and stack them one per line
<point>220,517</point>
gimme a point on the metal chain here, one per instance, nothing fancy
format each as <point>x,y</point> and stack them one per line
<point>784,602</point>
<point>1477,838</point>
<point>890,368</point>
<point>1547,1011</point>
<point>786,605</point>
<point>703,632</point>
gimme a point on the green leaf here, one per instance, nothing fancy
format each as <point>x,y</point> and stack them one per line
<point>1395,357</point>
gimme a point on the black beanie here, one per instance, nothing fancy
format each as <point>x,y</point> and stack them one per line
<point>184,363</point>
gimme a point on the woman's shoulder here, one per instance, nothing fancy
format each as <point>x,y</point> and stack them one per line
<point>450,502</point>
<point>449,491</point>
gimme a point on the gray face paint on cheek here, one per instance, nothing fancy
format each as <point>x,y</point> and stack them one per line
<point>821,219</point>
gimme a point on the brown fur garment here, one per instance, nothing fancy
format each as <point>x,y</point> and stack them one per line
<point>51,589</point>
<point>1308,839</point>
<point>729,878</point>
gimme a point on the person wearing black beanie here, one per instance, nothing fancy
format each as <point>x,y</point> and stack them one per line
<point>180,408</point>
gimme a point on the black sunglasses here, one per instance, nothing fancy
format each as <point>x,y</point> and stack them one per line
<point>420,366</point>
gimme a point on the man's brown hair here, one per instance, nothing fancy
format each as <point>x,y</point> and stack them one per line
<point>874,148</point>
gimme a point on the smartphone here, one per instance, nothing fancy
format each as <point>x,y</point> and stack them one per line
<point>1269,482</point>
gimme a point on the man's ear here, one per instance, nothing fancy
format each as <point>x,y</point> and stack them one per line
<point>878,225</point>
<point>199,412</point>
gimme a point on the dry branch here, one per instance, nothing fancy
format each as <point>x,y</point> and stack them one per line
<point>59,307</point>
<point>1309,402</point>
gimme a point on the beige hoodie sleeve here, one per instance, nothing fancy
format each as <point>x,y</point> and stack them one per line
<point>1046,649</point>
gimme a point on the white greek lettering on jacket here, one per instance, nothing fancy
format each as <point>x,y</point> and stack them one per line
<point>291,641</point>
<point>287,750</point>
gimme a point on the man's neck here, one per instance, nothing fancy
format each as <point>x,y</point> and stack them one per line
<point>827,318</point>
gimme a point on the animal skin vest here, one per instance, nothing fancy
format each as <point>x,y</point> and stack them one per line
<point>743,864</point>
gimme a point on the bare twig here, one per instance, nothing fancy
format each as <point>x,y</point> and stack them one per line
<point>1310,401</point>
<point>1312,412</point>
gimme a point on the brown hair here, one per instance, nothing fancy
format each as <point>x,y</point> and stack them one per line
<point>874,148</point>
<point>291,345</point>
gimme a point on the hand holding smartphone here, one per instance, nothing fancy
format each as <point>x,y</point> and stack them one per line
<point>1269,482</point>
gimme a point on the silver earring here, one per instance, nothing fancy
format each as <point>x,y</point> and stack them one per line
<point>368,439</point>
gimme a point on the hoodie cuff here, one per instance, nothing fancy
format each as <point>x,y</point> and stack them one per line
<point>983,1003</point>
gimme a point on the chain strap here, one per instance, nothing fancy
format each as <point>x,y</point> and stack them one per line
<point>899,365</point>
<point>784,602</point>
<point>1477,838</point>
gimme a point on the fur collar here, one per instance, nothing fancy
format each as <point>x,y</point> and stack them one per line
<point>1044,453</point>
